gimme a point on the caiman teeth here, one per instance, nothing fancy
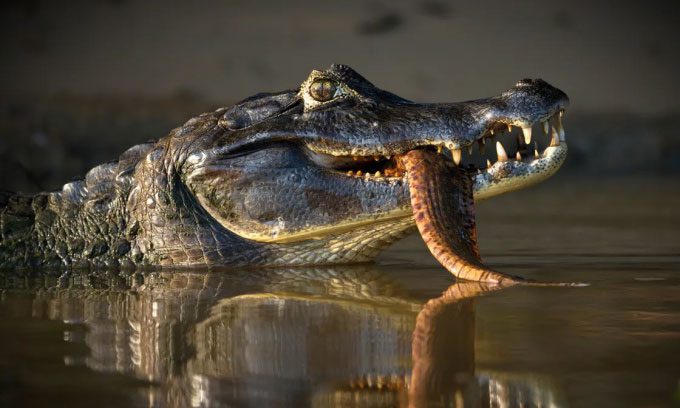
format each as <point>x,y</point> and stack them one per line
<point>525,145</point>
<point>555,137</point>
<point>527,134</point>
<point>556,121</point>
<point>456,155</point>
<point>368,167</point>
<point>500,151</point>
<point>560,128</point>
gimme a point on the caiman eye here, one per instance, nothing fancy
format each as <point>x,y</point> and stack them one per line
<point>323,90</point>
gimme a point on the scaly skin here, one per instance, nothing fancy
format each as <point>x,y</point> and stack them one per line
<point>277,179</point>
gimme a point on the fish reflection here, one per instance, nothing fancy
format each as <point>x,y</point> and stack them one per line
<point>342,336</point>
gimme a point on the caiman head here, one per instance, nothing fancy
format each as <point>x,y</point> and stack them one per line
<point>337,169</point>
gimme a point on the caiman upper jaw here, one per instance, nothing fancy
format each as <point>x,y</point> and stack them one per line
<point>454,126</point>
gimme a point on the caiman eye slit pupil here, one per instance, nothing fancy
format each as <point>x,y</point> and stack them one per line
<point>323,90</point>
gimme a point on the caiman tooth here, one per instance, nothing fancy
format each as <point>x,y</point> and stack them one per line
<point>381,382</point>
<point>469,149</point>
<point>456,155</point>
<point>527,134</point>
<point>482,146</point>
<point>439,149</point>
<point>500,151</point>
<point>518,156</point>
<point>350,173</point>
<point>560,128</point>
<point>491,131</point>
<point>377,174</point>
<point>376,158</point>
<point>509,127</point>
<point>555,139</point>
<point>359,173</point>
<point>546,127</point>
<point>488,163</point>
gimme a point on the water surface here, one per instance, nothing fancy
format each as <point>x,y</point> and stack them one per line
<point>396,333</point>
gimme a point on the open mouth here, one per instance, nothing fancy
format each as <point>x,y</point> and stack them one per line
<point>500,143</point>
<point>379,167</point>
<point>506,138</point>
<point>444,182</point>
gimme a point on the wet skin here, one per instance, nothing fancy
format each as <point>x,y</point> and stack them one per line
<point>322,174</point>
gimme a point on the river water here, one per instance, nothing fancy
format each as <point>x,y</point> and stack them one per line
<point>396,333</point>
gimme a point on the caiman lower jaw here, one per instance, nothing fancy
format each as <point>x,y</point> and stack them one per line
<point>511,175</point>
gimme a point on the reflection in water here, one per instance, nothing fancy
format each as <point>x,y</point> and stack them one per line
<point>343,336</point>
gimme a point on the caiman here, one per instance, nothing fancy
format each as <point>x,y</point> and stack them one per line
<point>330,172</point>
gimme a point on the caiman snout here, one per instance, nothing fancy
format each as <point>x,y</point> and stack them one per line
<point>442,191</point>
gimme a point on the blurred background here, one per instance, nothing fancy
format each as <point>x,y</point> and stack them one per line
<point>80,81</point>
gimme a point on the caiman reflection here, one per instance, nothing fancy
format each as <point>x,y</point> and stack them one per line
<point>343,336</point>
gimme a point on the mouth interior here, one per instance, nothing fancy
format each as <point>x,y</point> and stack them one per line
<point>378,166</point>
<point>507,142</point>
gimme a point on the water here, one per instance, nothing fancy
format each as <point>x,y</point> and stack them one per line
<point>397,333</point>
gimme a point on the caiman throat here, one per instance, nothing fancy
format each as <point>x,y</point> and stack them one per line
<point>330,172</point>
